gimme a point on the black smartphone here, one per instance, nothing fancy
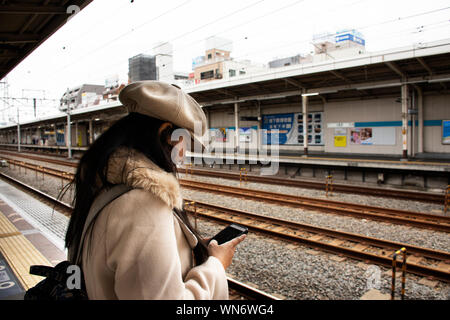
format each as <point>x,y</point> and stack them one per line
<point>229,233</point>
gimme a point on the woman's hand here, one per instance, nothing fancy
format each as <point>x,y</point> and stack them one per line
<point>225,251</point>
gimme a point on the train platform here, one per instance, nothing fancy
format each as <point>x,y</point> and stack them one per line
<point>430,163</point>
<point>31,233</point>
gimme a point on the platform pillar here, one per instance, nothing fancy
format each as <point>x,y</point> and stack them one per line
<point>91,133</point>
<point>405,121</point>
<point>420,118</point>
<point>18,131</point>
<point>236,125</point>
<point>69,137</point>
<point>76,134</point>
<point>305,123</point>
<point>258,135</point>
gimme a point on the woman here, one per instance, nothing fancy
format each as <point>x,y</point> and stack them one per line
<point>141,245</point>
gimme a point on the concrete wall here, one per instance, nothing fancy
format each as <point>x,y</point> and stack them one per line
<point>379,113</point>
<point>378,110</point>
<point>436,107</point>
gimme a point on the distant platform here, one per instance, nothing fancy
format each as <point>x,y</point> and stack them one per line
<point>350,161</point>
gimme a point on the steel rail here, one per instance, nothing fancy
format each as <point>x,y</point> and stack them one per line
<point>417,219</point>
<point>382,192</point>
<point>373,191</point>
<point>291,231</point>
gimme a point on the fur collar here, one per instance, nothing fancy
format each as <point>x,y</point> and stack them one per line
<point>134,169</point>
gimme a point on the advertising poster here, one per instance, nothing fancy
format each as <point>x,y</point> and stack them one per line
<point>245,133</point>
<point>281,122</point>
<point>340,141</point>
<point>290,128</point>
<point>445,131</point>
<point>361,136</point>
<point>340,137</point>
<point>218,134</point>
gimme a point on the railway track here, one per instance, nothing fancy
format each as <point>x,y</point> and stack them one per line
<point>421,261</point>
<point>237,290</point>
<point>380,192</point>
<point>415,219</point>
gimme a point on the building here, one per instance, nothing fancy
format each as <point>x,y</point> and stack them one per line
<point>217,63</point>
<point>289,61</point>
<point>163,53</point>
<point>142,67</point>
<point>342,44</point>
<point>81,96</point>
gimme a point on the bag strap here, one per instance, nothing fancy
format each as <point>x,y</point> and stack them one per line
<point>102,200</point>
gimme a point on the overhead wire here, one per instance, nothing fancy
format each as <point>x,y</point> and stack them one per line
<point>245,23</point>
<point>285,7</point>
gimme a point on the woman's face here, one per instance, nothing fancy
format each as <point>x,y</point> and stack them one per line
<point>178,151</point>
<point>178,141</point>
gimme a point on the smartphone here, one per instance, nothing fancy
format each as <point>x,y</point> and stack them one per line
<point>229,233</point>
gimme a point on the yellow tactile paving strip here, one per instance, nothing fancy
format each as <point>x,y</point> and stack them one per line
<point>19,253</point>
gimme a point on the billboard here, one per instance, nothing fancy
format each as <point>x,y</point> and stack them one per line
<point>361,136</point>
<point>290,128</point>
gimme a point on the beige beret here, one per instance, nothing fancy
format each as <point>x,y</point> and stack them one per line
<point>165,102</point>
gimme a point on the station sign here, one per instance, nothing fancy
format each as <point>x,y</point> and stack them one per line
<point>340,125</point>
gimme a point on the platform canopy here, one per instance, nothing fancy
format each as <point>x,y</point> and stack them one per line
<point>364,76</point>
<point>26,24</point>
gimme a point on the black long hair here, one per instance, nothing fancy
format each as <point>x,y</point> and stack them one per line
<point>135,131</point>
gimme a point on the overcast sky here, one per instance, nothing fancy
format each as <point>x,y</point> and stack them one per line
<point>97,42</point>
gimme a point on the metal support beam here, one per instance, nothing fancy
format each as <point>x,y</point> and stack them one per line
<point>259,117</point>
<point>76,134</point>
<point>425,65</point>
<point>18,130</point>
<point>30,9</point>
<point>69,137</point>
<point>340,76</point>
<point>420,118</point>
<point>18,38</point>
<point>236,125</point>
<point>396,69</point>
<point>295,83</point>
<point>405,121</point>
<point>91,133</point>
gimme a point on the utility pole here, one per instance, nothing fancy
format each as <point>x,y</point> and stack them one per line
<point>69,131</point>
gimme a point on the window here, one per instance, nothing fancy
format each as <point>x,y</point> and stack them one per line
<point>232,72</point>
<point>207,74</point>
<point>209,56</point>
<point>241,72</point>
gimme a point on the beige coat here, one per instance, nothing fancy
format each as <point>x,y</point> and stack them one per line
<point>140,249</point>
